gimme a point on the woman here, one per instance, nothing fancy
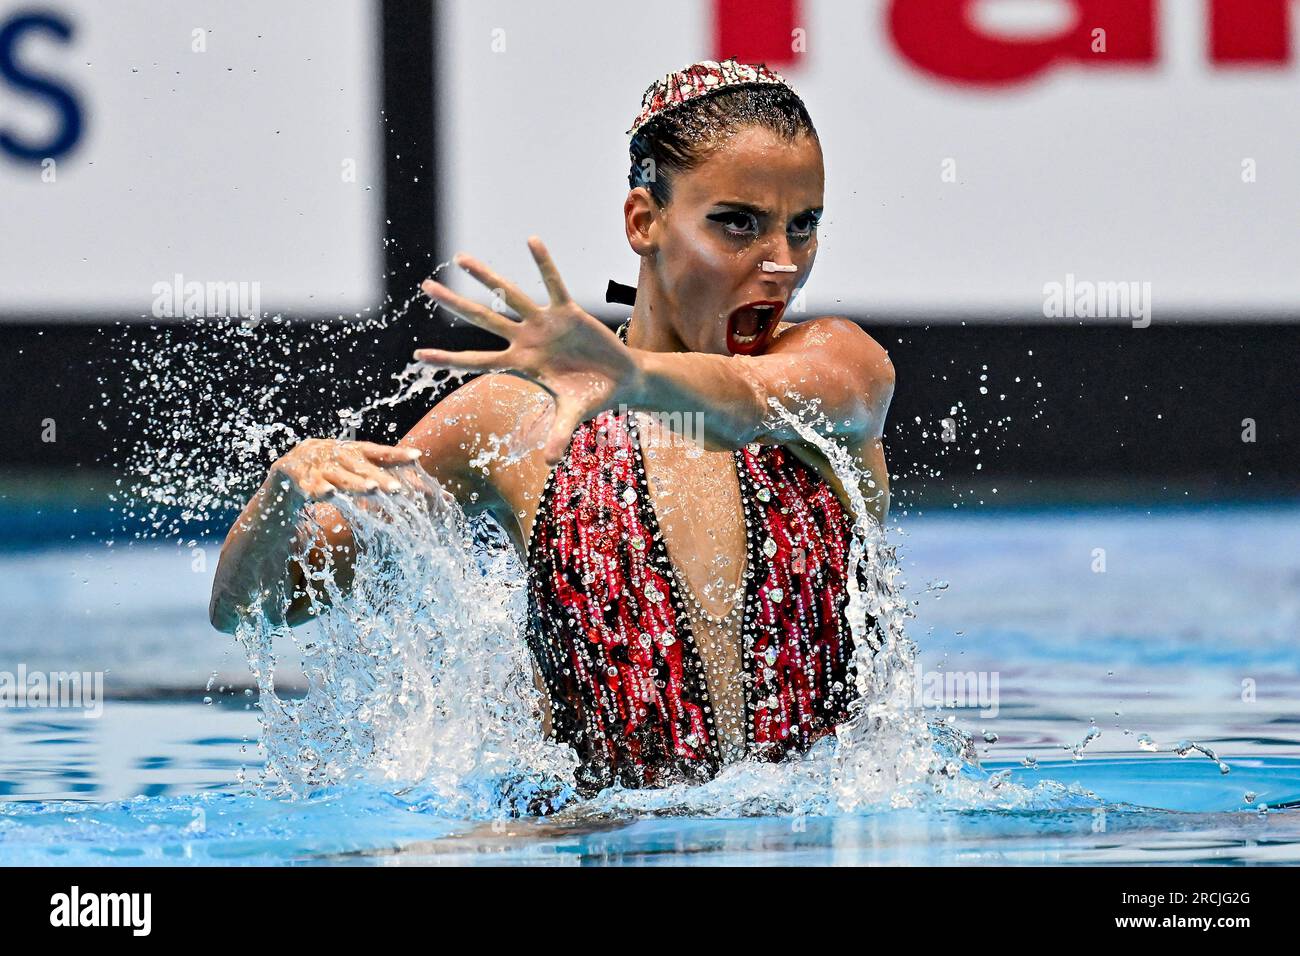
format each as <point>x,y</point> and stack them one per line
<point>687,606</point>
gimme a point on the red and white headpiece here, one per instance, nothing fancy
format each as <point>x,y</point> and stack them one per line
<point>701,79</point>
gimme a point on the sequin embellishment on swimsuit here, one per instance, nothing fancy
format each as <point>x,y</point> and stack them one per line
<point>609,626</point>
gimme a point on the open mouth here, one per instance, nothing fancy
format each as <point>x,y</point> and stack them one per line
<point>751,325</point>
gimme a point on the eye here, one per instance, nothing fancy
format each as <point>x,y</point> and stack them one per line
<point>735,222</point>
<point>804,226</point>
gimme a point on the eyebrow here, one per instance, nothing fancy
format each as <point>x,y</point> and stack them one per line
<point>760,212</point>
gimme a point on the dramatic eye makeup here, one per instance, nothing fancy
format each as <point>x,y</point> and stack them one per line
<point>741,221</point>
<point>735,222</point>
<point>804,225</point>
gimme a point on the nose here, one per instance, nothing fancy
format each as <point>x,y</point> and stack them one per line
<point>778,273</point>
<point>777,252</point>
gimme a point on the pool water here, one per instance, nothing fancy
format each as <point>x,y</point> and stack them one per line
<point>1116,636</point>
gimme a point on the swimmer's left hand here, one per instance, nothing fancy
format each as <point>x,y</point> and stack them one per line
<point>571,354</point>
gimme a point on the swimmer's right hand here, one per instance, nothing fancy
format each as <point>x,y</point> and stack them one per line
<point>319,467</point>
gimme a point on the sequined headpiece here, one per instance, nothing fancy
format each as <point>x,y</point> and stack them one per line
<point>701,79</point>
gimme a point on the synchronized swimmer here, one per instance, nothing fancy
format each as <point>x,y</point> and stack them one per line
<point>687,602</point>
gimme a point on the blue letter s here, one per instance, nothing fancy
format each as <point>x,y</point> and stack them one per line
<point>69,131</point>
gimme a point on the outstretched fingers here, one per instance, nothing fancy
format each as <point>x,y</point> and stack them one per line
<point>550,273</point>
<point>469,310</point>
<point>499,285</point>
<point>466,361</point>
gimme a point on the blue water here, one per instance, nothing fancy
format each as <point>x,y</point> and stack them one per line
<point>1188,634</point>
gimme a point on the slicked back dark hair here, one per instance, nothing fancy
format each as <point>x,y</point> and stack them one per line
<point>682,138</point>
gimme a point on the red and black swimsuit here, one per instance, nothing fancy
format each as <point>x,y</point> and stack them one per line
<point>610,633</point>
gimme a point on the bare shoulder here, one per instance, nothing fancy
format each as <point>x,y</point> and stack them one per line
<point>868,372</point>
<point>845,340</point>
<point>483,406</point>
<point>493,400</point>
<point>467,437</point>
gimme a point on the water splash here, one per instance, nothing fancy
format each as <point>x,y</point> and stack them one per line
<point>417,677</point>
<point>1184,747</point>
<point>420,681</point>
<point>203,407</point>
<point>886,753</point>
<point>1078,749</point>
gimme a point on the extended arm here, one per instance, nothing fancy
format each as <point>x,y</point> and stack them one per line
<point>827,366</point>
<point>828,372</point>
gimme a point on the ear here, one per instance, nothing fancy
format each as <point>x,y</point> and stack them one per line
<point>641,220</point>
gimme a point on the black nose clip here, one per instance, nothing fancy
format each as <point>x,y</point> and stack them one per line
<point>620,294</point>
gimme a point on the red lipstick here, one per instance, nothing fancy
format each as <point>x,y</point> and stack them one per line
<point>750,326</point>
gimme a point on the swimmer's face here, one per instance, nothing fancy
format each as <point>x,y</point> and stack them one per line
<point>756,197</point>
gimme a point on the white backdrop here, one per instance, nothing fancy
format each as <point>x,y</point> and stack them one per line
<point>225,165</point>
<point>1117,174</point>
